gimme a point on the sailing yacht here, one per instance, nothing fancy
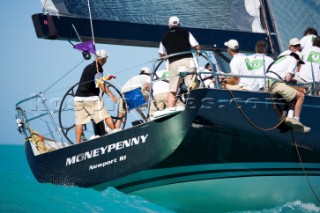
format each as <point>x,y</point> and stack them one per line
<point>224,147</point>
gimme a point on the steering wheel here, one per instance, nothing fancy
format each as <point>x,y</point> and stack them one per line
<point>66,114</point>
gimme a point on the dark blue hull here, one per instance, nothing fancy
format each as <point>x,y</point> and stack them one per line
<point>224,152</point>
<point>111,156</point>
<point>219,143</point>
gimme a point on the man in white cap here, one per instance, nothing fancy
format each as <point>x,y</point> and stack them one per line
<point>283,70</point>
<point>310,71</point>
<point>87,103</point>
<point>178,40</point>
<point>294,46</point>
<point>237,67</point>
<point>141,81</point>
<point>308,37</point>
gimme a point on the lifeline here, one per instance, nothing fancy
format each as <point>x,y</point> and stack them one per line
<point>103,150</point>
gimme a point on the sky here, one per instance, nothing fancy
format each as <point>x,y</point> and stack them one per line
<point>30,65</point>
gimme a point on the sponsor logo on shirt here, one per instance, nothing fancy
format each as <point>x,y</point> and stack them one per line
<point>314,57</point>
<point>255,64</point>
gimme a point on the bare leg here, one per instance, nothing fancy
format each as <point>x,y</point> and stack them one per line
<point>298,104</point>
<point>119,120</point>
<point>110,123</point>
<point>171,99</point>
<point>78,133</point>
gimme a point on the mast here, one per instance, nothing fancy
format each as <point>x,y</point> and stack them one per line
<point>271,26</point>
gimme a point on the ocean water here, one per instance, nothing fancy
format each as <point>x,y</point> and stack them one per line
<point>20,192</point>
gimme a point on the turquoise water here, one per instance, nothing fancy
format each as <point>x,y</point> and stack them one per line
<point>20,192</point>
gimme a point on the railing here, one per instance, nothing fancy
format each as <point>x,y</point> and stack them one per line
<point>23,121</point>
<point>65,127</point>
<point>216,74</point>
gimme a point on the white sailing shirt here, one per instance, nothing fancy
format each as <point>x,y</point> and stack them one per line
<point>286,52</point>
<point>258,65</point>
<point>207,78</point>
<point>135,82</point>
<point>307,41</point>
<point>283,66</point>
<point>238,67</point>
<point>311,58</point>
<point>160,86</point>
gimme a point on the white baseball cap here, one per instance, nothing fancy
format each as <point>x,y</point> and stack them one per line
<point>294,41</point>
<point>173,21</point>
<point>145,70</point>
<point>101,54</point>
<point>232,44</point>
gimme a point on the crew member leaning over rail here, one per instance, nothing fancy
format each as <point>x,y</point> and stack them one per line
<point>308,37</point>
<point>141,81</point>
<point>294,46</point>
<point>310,71</point>
<point>283,69</point>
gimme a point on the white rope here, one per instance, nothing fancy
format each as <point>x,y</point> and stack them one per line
<point>75,30</point>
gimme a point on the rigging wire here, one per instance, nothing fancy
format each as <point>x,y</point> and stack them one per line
<point>293,139</point>
<point>93,39</point>
<point>62,77</point>
<point>267,27</point>
<point>75,30</point>
<point>92,34</point>
<point>91,24</point>
<point>136,66</point>
<point>304,170</point>
<point>115,73</point>
<point>131,68</point>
